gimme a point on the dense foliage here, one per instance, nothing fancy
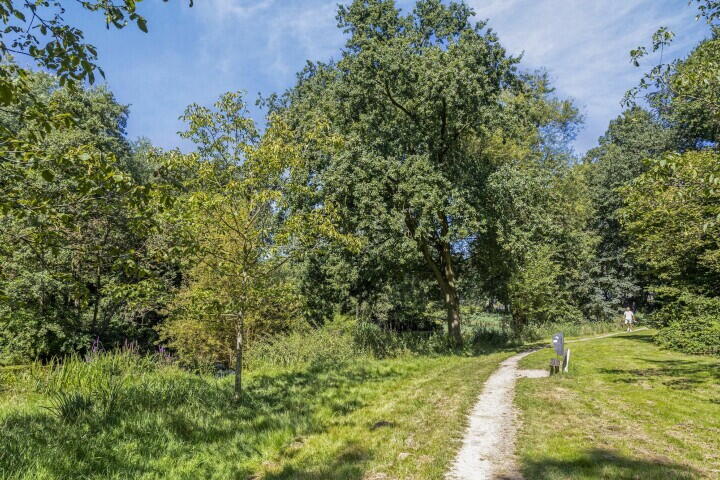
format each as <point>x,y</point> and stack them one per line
<point>77,263</point>
<point>421,177</point>
<point>673,215</point>
<point>671,212</point>
<point>619,158</point>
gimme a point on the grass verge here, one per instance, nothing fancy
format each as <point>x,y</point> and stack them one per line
<point>627,410</point>
<point>371,419</point>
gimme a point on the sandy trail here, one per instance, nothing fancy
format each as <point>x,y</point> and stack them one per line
<point>585,339</point>
<point>488,449</point>
<point>488,446</point>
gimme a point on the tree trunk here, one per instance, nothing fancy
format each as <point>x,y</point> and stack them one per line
<point>237,396</point>
<point>445,276</point>
<point>452,304</point>
<point>96,302</point>
<point>444,272</point>
<point>98,286</point>
<point>452,300</point>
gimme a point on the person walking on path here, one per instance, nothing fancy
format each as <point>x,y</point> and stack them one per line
<point>629,318</point>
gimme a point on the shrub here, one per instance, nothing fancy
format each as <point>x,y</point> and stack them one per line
<point>688,322</point>
<point>370,337</point>
<point>682,304</point>
<point>693,334</point>
<point>535,294</point>
<point>332,343</point>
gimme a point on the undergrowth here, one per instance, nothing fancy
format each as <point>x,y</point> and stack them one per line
<point>341,401</point>
<point>119,415</point>
<point>344,339</point>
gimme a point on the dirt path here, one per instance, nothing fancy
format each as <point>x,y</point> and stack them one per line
<point>585,339</point>
<point>488,449</point>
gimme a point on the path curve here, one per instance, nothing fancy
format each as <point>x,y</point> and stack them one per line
<point>488,448</point>
<point>488,445</point>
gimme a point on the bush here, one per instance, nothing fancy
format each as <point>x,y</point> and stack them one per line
<point>535,293</point>
<point>688,322</point>
<point>681,304</point>
<point>344,339</point>
<point>332,343</point>
<point>372,339</point>
<point>693,334</point>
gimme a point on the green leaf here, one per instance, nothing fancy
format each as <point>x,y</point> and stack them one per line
<point>142,24</point>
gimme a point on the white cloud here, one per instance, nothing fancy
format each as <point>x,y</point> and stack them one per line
<point>230,10</point>
<point>585,45</point>
<point>312,30</point>
<point>278,35</point>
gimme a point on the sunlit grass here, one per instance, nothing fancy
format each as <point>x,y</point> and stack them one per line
<point>400,417</point>
<point>318,405</point>
<point>627,410</point>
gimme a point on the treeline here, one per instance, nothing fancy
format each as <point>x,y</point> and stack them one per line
<point>423,171</point>
<point>656,187</point>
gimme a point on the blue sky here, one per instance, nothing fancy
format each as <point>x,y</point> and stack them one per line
<point>195,54</point>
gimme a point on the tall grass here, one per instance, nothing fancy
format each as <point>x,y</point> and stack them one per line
<point>344,340</point>
<point>305,423</point>
<point>97,388</point>
<point>494,329</point>
<point>340,341</point>
<point>542,332</point>
<point>98,382</point>
<point>331,343</point>
<point>137,416</point>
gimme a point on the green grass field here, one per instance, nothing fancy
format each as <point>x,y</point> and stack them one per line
<point>397,417</point>
<point>627,410</point>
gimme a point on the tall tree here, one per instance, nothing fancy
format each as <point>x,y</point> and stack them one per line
<point>673,216</point>
<point>629,140</point>
<point>685,92</point>
<point>37,30</point>
<point>416,100</point>
<point>73,248</point>
<point>693,103</point>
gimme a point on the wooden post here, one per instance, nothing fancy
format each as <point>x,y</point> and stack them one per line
<point>566,360</point>
<point>237,396</point>
<point>554,366</point>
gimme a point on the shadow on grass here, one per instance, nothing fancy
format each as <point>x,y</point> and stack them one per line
<point>676,374</point>
<point>347,465</point>
<point>640,337</point>
<point>601,463</point>
<point>157,425</point>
